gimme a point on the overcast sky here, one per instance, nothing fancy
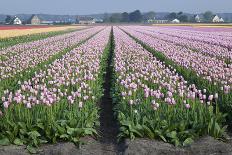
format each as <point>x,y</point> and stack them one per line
<point>101,6</point>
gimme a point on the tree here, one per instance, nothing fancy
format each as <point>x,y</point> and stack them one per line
<point>8,19</point>
<point>183,18</point>
<point>106,18</point>
<point>180,13</point>
<point>208,16</point>
<point>115,18</point>
<point>149,15</point>
<point>135,16</point>
<point>125,17</point>
<point>172,16</point>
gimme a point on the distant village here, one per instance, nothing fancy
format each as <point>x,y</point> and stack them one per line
<point>88,20</point>
<point>36,20</point>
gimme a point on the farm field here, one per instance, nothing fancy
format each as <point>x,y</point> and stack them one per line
<point>14,31</point>
<point>13,27</point>
<point>116,90</point>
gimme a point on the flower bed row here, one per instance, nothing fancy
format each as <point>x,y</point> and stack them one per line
<point>153,101</point>
<point>58,103</point>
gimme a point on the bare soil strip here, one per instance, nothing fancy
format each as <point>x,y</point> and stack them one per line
<point>108,124</point>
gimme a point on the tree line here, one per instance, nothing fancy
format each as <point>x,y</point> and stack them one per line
<point>137,17</point>
<point>134,17</point>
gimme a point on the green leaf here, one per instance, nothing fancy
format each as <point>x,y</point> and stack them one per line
<point>162,137</point>
<point>18,141</point>
<point>70,131</point>
<point>211,109</point>
<point>172,134</point>
<point>188,142</point>
<point>22,125</point>
<point>40,125</point>
<point>176,142</point>
<point>87,131</point>
<point>73,122</point>
<point>135,131</point>
<point>4,141</point>
<point>31,149</point>
<point>76,140</point>
<point>64,136</point>
<point>43,141</point>
<point>148,132</point>
<point>23,131</point>
<point>34,134</point>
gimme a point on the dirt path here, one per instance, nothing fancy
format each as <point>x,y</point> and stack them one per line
<point>108,124</point>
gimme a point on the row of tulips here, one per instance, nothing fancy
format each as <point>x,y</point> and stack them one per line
<point>60,101</point>
<point>24,56</point>
<point>153,101</point>
<point>206,72</point>
<point>188,39</point>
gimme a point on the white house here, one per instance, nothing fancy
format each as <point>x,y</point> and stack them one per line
<point>197,19</point>
<point>98,20</point>
<point>34,20</point>
<point>16,21</point>
<point>221,20</point>
<point>176,21</point>
<point>160,21</point>
<point>216,19</point>
<point>85,20</point>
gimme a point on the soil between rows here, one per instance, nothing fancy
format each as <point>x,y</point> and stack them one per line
<point>109,127</point>
<point>204,146</point>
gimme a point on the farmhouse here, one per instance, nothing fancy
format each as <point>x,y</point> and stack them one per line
<point>85,20</point>
<point>160,21</point>
<point>34,20</point>
<point>221,20</point>
<point>197,18</point>
<point>217,19</point>
<point>16,21</point>
<point>98,20</point>
<point>175,21</point>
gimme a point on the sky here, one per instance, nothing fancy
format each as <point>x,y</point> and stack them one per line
<point>81,7</point>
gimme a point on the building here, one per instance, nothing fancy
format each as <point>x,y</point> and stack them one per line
<point>34,20</point>
<point>98,20</point>
<point>197,18</point>
<point>160,21</point>
<point>221,20</point>
<point>217,19</point>
<point>47,22</point>
<point>150,21</point>
<point>175,21</point>
<point>85,20</point>
<point>16,21</point>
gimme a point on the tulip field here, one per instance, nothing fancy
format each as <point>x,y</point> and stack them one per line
<point>14,31</point>
<point>167,83</point>
<point>12,35</point>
